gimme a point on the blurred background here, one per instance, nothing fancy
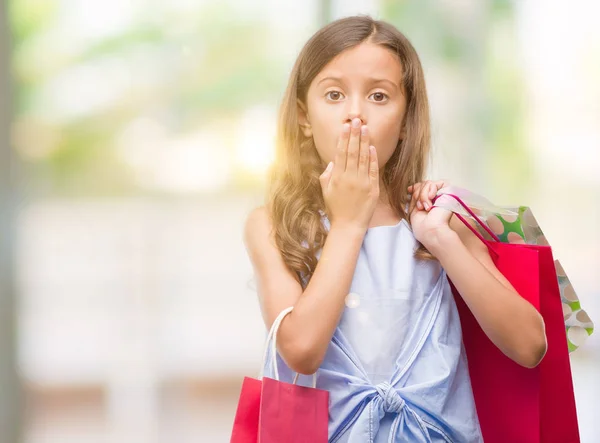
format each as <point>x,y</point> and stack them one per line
<point>134,139</point>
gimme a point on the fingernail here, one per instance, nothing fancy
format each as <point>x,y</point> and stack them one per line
<point>419,205</point>
<point>427,206</point>
<point>346,127</point>
<point>364,130</point>
<point>356,122</point>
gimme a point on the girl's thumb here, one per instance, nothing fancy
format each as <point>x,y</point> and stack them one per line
<point>327,170</point>
<point>326,173</point>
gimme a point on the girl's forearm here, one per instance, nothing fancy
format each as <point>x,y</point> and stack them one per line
<point>497,308</point>
<point>308,329</point>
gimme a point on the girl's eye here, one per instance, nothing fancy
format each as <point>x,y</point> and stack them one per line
<point>379,96</point>
<point>334,95</point>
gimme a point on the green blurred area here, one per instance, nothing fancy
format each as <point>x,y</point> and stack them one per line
<point>203,68</point>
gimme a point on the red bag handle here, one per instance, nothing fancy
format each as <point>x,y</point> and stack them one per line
<point>478,221</point>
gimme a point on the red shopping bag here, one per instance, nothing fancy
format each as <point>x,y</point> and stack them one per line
<point>517,404</point>
<point>272,411</point>
<point>245,424</point>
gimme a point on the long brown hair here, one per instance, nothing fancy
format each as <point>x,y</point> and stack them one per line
<point>294,197</point>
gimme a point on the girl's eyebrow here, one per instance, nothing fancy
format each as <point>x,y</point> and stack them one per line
<point>384,80</point>
<point>337,79</point>
<point>372,80</point>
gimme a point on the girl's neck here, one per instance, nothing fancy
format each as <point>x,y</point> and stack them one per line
<point>384,214</point>
<point>383,193</point>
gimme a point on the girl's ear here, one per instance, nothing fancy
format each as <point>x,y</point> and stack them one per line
<point>303,119</point>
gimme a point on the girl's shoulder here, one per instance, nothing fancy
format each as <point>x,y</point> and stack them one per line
<point>257,226</point>
<point>258,214</point>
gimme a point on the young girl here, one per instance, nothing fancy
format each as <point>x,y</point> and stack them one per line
<point>364,265</point>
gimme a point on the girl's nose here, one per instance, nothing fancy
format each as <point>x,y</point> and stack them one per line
<point>352,116</point>
<point>354,109</point>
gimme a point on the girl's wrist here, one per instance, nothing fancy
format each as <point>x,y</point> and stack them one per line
<point>350,230</point>
<point>441,239</point>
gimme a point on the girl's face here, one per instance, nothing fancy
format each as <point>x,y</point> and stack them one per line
<point>362,82</point>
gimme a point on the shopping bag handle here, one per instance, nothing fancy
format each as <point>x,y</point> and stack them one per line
<point>272,345</point>
<point>477,220</point>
